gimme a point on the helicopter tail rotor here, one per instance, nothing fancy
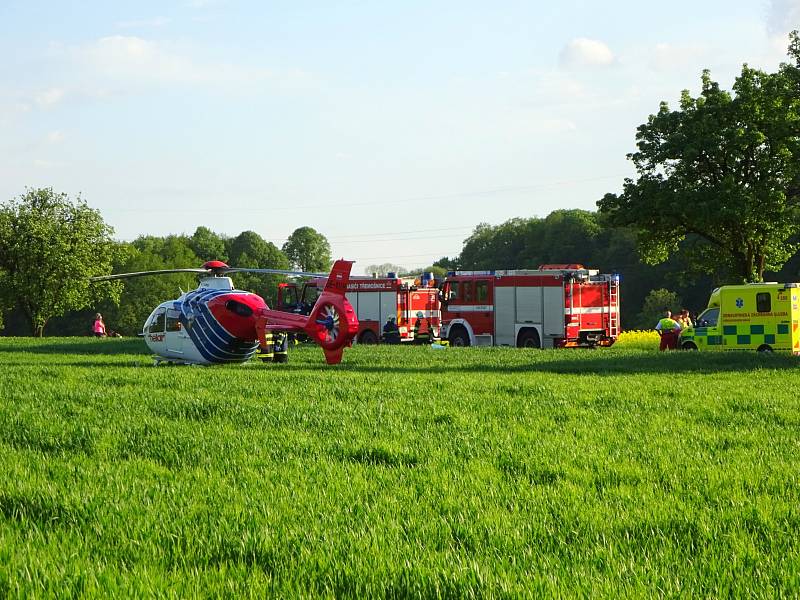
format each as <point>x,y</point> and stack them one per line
<point>333,323</point>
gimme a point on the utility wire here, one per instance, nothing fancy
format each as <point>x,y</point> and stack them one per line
<point>271,207</point>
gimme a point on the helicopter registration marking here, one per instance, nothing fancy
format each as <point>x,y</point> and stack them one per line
<point>158,337</point>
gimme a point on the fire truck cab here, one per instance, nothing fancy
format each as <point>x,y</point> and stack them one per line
<point>375,300</point>
<point>554,306</point>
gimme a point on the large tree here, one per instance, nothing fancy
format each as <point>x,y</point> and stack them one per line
<point>308,250</point>
<point>248,249</point>
<point>208,245</point>
<point>49,248</point>
<point>719,178</point>
<point>141,295</point>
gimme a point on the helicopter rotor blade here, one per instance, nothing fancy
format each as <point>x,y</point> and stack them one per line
<point>143,273</point>
<point>274,272</point>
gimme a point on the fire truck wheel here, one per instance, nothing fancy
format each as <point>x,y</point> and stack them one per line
<point>459,337</point>
<point>368,337</point>
<point>529,338</point>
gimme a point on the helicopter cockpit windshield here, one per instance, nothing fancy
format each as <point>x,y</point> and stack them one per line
<point>157,321</point>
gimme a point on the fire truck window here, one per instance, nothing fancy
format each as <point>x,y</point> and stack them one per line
<point>288,297</point>
<point>173,320</point>
<point>453,294</point>
<point>157,323</point>
<point>481,292</point>
<point>764,302</point>
<point>467,291</point>
<point>310,294</point>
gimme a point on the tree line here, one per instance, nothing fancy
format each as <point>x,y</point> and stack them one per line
<point>716,200</point>
<point>51,246</point>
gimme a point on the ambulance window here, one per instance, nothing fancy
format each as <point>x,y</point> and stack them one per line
<point>481,292</point>
<point>467,291</point>
<point>708,318</point>
<point>173,320</point>
<point>764,302</point>
<point>157,323</point>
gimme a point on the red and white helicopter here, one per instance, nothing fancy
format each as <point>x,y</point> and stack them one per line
<point>218,324</point>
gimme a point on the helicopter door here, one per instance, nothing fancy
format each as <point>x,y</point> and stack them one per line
<point>175,334</point>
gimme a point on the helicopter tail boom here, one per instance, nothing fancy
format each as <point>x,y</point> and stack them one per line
<point>332,323</point>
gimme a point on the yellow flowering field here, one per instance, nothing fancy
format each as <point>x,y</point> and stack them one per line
<point>635,338</point>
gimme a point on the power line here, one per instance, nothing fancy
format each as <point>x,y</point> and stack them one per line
<point>431,254</point>
<point>276,208</point>
<point>382,233</point>
<point>378,235</point>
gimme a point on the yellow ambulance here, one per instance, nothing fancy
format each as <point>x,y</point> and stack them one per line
<point>753,316</point>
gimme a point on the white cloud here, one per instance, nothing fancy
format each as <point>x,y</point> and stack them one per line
<point>49,97</point>
<point>668,57</point>
<point>554,88</point>
<point>135,60</point>
<point>41,163</point>
<point>201,3</point>
<point>783,16</point>
<point>144,23</point>
<point>55,137</point>
<point>583,52</point>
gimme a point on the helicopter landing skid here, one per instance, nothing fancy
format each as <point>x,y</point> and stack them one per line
<point>161,360</point>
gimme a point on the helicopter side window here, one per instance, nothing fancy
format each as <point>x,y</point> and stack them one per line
<point>238,308</point>
<point>173,320</point>
<point>158,322</point>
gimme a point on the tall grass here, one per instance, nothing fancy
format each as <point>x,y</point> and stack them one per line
<point>403,472</point>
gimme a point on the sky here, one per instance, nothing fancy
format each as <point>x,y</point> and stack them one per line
<point>393,128</point>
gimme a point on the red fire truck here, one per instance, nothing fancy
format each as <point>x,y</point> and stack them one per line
<point>554,306</point>
<point>375,300</point>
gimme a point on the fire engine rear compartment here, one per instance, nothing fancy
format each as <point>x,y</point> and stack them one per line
<point>540,308</point>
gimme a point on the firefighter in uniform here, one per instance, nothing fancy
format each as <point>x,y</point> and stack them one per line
<point>669,330</point>
<point>421,337</point>
<point>281,347</point>
<point>267,353</point>
<point>391,334</point>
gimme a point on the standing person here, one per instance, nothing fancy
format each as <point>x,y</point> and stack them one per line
<point>391,334</point>
<point>99,327</point>
<point>669,330</point>
<point>417,324</point>
<point>684,319</point>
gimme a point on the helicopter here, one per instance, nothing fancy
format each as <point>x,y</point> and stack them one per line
<point>218,324</point>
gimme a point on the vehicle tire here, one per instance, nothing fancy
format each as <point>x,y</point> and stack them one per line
<point>368,337</point>
<point>459,337</point>
<point>529,338</point>
<point>689,346</point>
<point>764,349</point>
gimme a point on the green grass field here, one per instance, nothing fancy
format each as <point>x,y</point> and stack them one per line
<point>403,472</point>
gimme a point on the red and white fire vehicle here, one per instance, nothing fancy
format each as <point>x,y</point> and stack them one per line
<point>375,300</point>
<point>554,306</point>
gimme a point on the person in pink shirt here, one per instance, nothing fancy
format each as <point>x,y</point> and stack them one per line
<point>99,327</point>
